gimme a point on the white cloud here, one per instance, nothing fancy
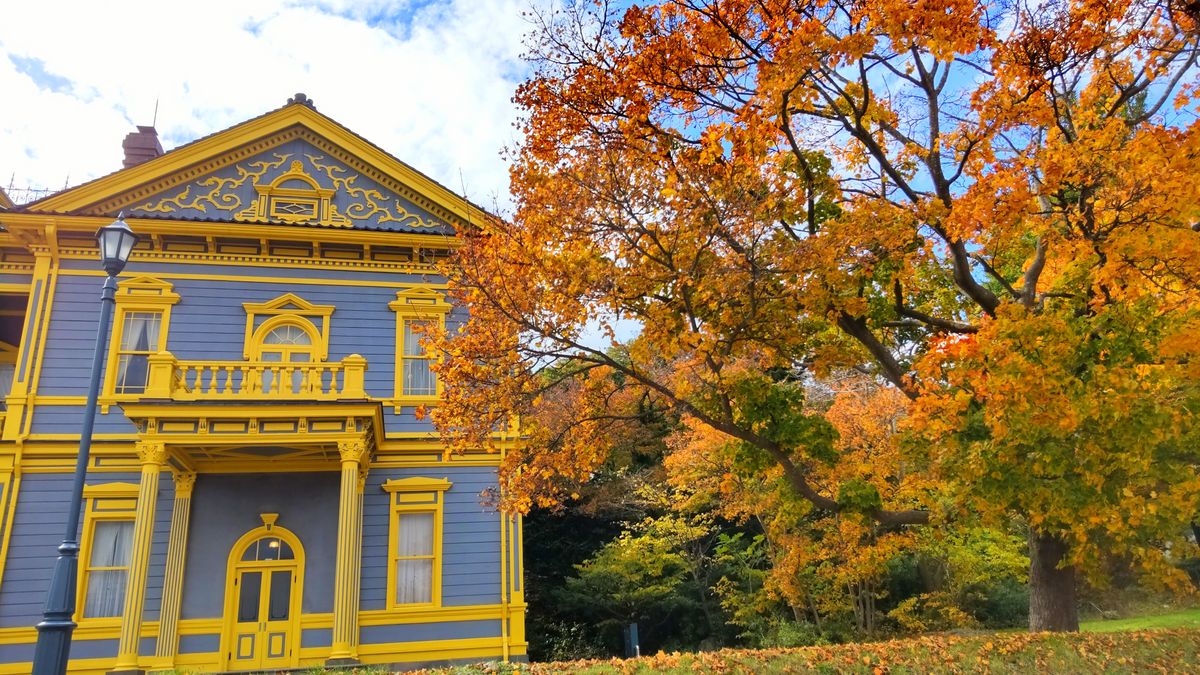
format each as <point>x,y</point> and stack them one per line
<point>430,82</point>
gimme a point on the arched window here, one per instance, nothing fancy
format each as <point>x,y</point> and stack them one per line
<point>288,339</point>
<point>268,548</point>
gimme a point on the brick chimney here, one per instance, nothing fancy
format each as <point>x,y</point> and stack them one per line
<point>141,146</point>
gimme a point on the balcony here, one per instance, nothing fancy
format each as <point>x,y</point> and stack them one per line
<point>175,380</point>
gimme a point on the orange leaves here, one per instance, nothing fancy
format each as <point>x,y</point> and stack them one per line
<point>778,191</point>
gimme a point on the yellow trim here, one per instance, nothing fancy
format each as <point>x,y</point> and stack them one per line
<point>139,294</point>
<point>263,279</point>
<point>246,132</point>
<point>416,304</point>
<point>236,566</point>
<point>433,489</point>
<point>19,417</point>
<point>10,483</point>
<point>480,649</point>
<point>110,490</point>
<point>416,484</point>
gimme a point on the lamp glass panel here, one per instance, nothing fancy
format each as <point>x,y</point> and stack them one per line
<point>125,247</point>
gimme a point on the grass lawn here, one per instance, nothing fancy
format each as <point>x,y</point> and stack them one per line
<point>1165,650</point>
<point>1188,618</point>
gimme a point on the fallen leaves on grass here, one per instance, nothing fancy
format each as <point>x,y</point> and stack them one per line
<point>1160,651</point>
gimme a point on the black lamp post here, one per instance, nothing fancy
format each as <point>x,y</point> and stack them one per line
<point>54,632</point>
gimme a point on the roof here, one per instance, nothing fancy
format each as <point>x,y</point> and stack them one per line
<point>5,202</point>
<point>297,112</point>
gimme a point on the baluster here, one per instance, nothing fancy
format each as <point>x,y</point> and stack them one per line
<point>228,390</point>
<point>314,384</point>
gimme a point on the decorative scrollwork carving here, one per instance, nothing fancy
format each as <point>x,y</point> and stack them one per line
<point>368,203</point>
<point>279,200</point>
<point>222,196</point>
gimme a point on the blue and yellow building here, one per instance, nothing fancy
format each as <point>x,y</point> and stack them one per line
<point>262,492</point>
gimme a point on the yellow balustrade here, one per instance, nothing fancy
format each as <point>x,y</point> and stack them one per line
<point>177,380</point>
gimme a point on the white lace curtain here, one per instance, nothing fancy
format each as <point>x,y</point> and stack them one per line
<point>414,566</point>
<point>108,568</point>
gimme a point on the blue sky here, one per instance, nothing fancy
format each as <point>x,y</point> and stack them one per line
<point>428,80</point>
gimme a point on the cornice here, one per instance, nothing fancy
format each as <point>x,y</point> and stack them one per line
<point>215,228</point>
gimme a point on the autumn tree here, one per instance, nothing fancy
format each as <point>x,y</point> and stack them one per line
<point>991,206</point>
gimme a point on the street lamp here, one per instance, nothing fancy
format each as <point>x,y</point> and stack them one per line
<point>54,631</point>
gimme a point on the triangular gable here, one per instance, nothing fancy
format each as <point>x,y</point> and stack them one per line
<point>146,288</point>
<point>295,182</point>
<point>288,303</point>
<point>293,166</point>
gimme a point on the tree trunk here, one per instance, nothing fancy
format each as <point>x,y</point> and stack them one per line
<point>1051,588</point>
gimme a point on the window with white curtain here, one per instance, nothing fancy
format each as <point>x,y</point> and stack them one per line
<point>139,339</point>
<point>414,560</point>
<point>107,568</point>
<point>419,379</point>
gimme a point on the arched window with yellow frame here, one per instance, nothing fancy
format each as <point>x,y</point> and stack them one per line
<point>289,329</point>
<point>285,339</point>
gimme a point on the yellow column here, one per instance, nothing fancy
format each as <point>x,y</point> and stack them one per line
<point>153,455</point>
<point>356,585</point>
<point>168,616</point>
<point>345,626</point>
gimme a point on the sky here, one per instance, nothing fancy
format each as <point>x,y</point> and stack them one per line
<point>429,81</point>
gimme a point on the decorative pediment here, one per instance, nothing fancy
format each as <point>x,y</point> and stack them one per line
<point>416,484</point>
<point>420,301</point>
<point>110,490</point>
<point>146,290</point>
<point>291,166</point>
<point>288,303</point>
<point>294,183</point>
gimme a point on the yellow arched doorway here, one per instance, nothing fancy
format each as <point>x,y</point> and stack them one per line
<point>262,599</point>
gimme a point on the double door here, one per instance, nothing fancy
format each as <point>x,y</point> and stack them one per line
<point>264,634</point>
